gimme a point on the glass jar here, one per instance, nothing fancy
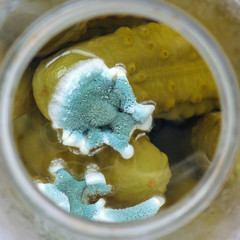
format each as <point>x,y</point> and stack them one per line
<point>31,215</point>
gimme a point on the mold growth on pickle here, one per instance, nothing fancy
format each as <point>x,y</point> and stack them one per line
<point>72,195</point>
<point>95,105</point>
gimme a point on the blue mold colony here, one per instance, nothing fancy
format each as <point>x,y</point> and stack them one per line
<point>71,194</point>
<point>95,105</point>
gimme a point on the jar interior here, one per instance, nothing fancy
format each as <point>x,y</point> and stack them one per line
<point>170,158</point>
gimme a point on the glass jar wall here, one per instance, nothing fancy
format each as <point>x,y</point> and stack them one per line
<point>217,219</point>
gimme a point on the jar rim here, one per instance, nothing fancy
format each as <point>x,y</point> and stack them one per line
<point>26,47</point>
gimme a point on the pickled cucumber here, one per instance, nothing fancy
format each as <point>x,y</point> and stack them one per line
<point>161,67</point>
<point>206,133</point>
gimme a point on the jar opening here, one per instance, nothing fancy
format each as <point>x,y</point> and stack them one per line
<point>43,39</point>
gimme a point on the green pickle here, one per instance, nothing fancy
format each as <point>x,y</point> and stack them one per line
<point>162,68</point>
<point>165,72</point>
